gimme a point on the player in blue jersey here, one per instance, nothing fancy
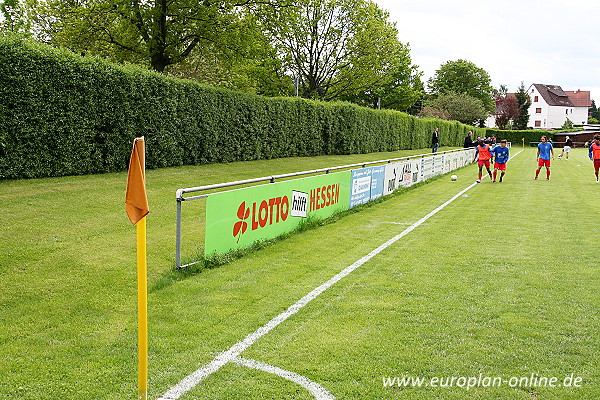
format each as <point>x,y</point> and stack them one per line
<point>544,154</point>
<point>501,155</point>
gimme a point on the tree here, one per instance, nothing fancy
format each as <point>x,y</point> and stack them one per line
<point>460,107</point>
<point>160,32</point>
<point>341,49</point>
<point>398,90</point>
<point>463,77</point>
<point>14,16</point>
<point>568,124</point>
<point>595,113</point>
<point>249,63</point>
<point>430,112</point>
<point>507,108</point>
<point>523,102</point>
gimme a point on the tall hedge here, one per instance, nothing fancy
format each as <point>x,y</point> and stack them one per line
<point>62,114</point>
<point>516,137</point>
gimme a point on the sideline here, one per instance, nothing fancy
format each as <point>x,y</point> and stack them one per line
<point>234,351</point>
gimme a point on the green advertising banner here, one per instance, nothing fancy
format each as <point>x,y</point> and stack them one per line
<point>237,218</point>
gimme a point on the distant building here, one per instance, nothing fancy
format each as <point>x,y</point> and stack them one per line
<point>583,104</point>
<point>551,106</point>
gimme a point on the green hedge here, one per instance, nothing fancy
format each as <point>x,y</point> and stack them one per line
<point>61,114</point>
<point>530,135</point>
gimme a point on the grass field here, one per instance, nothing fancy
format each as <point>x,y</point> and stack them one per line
<point>500,283</point>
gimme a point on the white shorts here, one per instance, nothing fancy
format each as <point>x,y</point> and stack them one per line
<point>567,148</point>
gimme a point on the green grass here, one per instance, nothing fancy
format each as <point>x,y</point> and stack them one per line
<point>503,282</point>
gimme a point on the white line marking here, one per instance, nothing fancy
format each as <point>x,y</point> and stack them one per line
<point>234,351</point>
<point>314,388</point>
<point>519,152</point>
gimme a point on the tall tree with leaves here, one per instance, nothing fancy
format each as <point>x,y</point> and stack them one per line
<point>248,63</point>
<point>338,48</point>
<point>463,76</point>
<point>523,102</point>
<point>595,113</point>
<point>459,107</point>
<point>507,107</point>
<point>398,90</point>
<point>161,32</point>
<point>14,16</point>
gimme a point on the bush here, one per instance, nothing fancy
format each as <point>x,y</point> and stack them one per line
<point>61,114</point>
<point>516,137</point>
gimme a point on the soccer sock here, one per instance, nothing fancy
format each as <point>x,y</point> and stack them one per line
<point>494,175</point>
<point>548,174</point>
<point>537,172</point>
<point>480,176</point>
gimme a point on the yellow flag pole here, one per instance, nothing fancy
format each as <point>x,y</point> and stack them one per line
<point>142,311</point>
<point>136,205</point>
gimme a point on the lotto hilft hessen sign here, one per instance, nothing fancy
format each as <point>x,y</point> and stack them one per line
<point>238,218</point>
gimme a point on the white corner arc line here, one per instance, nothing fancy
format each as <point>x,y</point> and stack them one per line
<point>314,388</point>
<point>234,351</point>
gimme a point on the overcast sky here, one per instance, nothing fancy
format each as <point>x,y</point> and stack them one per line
<point>548,42</point>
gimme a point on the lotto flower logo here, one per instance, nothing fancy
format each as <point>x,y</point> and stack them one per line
<point>240,227</point>
<point>267,212</point>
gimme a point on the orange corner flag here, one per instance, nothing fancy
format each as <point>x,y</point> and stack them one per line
<point>136,202</point>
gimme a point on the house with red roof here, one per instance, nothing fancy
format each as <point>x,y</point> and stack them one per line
<point>551,106</point>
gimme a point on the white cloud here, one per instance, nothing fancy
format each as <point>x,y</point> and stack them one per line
<point>551,42</point>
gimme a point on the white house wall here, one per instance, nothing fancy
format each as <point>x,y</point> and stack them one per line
<point>538,111</point>
<point>558,115</point>
<point>580,115</point>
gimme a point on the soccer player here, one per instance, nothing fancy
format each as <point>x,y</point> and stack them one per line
<point>544,154</point>
<point>567,148</point>
<point>594,154</point>
<point>501,155</point>
<point>483,155</point>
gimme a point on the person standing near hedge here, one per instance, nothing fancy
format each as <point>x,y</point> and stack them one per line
<point>435,141</point>
<point>469,141</point>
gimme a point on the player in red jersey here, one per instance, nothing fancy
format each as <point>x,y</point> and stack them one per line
<point>483,155</point>
<point>594,154</point>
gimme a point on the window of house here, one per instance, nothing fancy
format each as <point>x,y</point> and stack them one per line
<point>538,110</point>
<point>535,99</point>
<point>538,123</point>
